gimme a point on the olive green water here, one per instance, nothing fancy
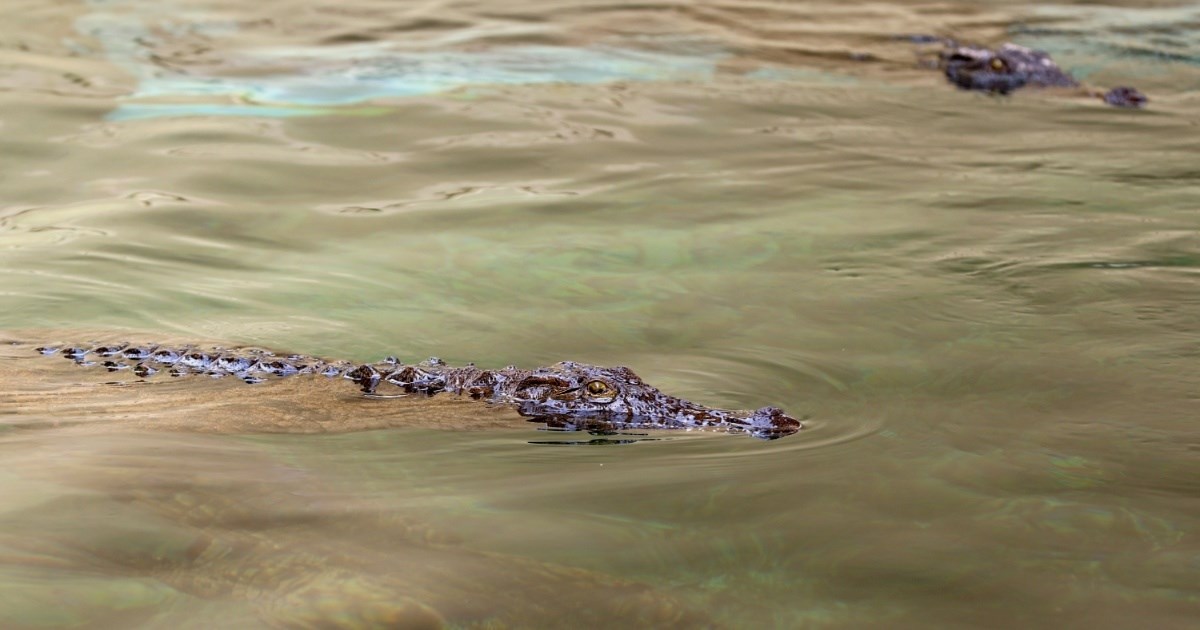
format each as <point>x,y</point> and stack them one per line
<point>986,306</point>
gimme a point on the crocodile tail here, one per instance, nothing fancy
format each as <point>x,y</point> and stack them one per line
<point>251,365</point>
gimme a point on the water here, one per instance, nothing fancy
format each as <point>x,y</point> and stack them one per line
<point>986,307</point>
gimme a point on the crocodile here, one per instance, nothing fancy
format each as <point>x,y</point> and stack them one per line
<point>1011,67</point>
<point>567,395</point>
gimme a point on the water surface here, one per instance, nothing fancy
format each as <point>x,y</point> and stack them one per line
<point>986,307</point>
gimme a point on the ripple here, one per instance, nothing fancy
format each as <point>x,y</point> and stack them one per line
<point>292,153</point>
<point>562,132</point>
<point>459,195</point>
<point>41,226</point>
<point>225,140</point>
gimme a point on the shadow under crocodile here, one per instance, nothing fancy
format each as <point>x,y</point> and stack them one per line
<point>185,530</point>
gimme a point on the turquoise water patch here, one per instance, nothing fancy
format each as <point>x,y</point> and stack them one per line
<point>352,75</point>
<point>305,80</point>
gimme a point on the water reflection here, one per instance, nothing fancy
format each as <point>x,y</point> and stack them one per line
<point>178,524</point>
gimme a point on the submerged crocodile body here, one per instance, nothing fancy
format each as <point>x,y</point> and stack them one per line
<point>567,395</point>
<point>1011,67</point>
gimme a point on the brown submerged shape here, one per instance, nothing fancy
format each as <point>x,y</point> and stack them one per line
<point>568,396</point>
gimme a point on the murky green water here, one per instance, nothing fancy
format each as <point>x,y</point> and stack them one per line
<point>988,308</point>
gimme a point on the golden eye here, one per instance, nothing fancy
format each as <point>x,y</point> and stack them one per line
<point>997,64</point>
<point>597,388</point>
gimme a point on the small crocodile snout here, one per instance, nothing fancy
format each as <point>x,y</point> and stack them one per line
<point>771,423</point>
<point>1125,96</point>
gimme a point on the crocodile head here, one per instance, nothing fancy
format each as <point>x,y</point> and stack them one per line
<point>1002,70</point>
<point>601,399</point>
<point>1010,67</point>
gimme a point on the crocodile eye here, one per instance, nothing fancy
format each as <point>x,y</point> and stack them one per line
<point>598,388</point>
<point>998,64</point>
